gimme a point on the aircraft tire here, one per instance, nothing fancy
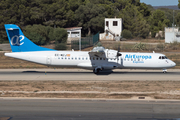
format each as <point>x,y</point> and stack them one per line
<point>96,71</point>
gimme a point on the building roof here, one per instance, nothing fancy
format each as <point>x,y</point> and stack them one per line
<point>73,28</point>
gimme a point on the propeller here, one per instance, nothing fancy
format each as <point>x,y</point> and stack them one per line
<point>118,54</point>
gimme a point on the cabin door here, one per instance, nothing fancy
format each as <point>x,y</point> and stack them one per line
<point>48,60</point>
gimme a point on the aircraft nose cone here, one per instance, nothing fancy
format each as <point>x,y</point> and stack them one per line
<point>173,64</point>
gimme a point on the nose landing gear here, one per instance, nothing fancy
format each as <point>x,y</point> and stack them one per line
<point>164,70</point>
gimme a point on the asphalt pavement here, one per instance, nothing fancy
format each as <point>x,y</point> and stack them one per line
<point>87,109</point>
<point>80,74</point>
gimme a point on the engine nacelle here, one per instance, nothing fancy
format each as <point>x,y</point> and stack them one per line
<point>111,54</point>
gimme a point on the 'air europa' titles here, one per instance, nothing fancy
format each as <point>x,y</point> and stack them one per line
<point>138,56</point>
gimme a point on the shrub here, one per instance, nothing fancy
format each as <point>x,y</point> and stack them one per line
<point>61,46</point>
<point>37,33</point>
<point>140,46</point>
<point>42,35</point>
<point>60,35</point>
<point>99,44</point>
<point>126,34</point>
<point>160,46</point>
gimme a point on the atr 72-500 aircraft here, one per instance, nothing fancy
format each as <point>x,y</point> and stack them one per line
<point>97,60</point>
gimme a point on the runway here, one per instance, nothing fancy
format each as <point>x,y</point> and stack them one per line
<point>80,74</point>
<point>64,109</point>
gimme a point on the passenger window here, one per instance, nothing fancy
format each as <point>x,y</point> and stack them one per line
<point>104,58</point>
<point>75,58</point>
<point>93,58</point>
<point>159,57</point>
<point>100,58</point>
<point>96,58</point>
<point>163,57</point>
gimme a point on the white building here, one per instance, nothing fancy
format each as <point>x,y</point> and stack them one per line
<point>112,29</point>
<point>74,33</point>
<point>172,34</point>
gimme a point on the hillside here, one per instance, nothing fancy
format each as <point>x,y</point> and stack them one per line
<point>175,7</point>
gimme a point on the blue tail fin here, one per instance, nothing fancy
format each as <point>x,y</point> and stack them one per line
<point>20,43</point>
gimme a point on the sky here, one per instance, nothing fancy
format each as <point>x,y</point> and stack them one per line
<point>161,2</point>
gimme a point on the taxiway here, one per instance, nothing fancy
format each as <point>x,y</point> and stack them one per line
<point>74,109</point>
<point>80,74</point>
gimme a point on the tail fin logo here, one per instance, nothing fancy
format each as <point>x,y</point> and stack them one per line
<point>17,40</point>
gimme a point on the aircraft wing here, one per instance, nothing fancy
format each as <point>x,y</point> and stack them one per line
<point>97,52</point>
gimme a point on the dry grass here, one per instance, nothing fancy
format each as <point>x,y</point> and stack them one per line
<point>104,89</point>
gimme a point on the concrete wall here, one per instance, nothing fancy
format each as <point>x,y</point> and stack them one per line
<point>172,34</point>
<point>73,34</point>
<point>112,31</point>
<point>115,29</point>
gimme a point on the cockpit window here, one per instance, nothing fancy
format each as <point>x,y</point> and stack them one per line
<point>163,57</point>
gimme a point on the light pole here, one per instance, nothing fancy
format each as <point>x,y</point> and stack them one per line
<point>173,18</point>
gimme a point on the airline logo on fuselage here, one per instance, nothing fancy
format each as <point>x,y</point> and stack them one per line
<point>17,40</point>
<point>138,56</point>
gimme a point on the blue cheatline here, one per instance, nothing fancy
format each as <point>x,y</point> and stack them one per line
<point>19,42</point>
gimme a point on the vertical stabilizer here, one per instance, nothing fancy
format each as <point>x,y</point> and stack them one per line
<point>19,42</point>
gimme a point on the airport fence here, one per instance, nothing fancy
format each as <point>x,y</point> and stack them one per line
<point>85,42</point>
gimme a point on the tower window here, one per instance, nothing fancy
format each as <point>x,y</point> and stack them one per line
<point>115,23</point>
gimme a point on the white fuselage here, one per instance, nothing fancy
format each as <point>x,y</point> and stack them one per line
<point>85,60</point>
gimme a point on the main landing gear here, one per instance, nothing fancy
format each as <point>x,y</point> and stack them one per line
<point>96,70</point>
<point>164,70</point>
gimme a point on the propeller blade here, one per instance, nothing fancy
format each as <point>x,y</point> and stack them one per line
<point>119,48</point>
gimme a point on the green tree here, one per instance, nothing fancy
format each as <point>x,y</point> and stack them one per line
<point>158,22</point>
<point>91,17</point>
<point>60,35</point>
<point>177,19</point>
<point>169,14</point>
<point>55,13</point>
<point>133,21</point>
<point>126,34</point>
<point>39,34</point>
